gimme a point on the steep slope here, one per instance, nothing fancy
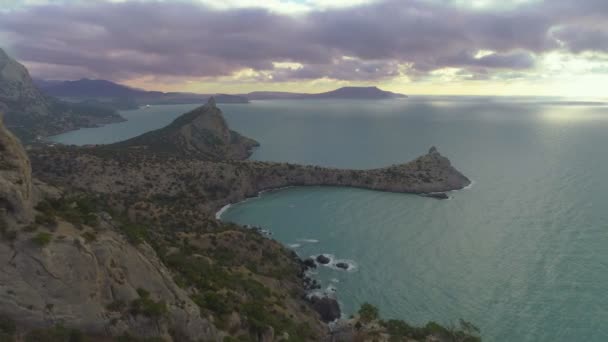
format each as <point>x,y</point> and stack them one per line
<point>81,274</point>
<point>201,133</point>
<point>29,113</point>
<point>15,179</point>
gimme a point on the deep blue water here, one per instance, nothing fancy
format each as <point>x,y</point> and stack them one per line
<point>523,254</point>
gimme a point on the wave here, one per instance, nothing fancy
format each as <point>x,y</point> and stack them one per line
<point>468,187</point>
<point>294,245</point>
<point>218,215</point>
<point>308,240</point>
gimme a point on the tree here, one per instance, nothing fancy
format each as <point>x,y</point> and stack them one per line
<point>368,313</point>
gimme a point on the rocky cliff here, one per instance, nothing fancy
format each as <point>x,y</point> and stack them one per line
<point>83,276</point>
<point>15,179</point>
<point>169,183</point>
<point>201,134</point>
<point>29,113</point>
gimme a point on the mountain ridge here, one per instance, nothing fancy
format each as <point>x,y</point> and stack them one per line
<point>31,114</point>
<point>200,133</point>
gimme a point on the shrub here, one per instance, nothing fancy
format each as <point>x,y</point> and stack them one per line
<point>368,313</point>
<point>145,306</point>
<point>7,326</point>
<point>134,233</point>
<point>42,239</point>
<point>58,333</point>
<point>89,236</point>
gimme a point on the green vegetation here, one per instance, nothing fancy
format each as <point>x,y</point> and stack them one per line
<point>42,239</point>
<point>146,306</point>
<point>58,333</point>
<point>368,313</point>
<point>6,233</point>
<point>400,330</point>
<point>7,329</point>
<point>134,233</point>
<point>89,236</point>
<point>78,210</point>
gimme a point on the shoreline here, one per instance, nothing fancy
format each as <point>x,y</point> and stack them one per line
<point>226,207</point>
<point>309,280</point>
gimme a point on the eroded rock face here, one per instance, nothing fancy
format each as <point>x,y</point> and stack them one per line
<point>92,286</point>
<point>15,179</point>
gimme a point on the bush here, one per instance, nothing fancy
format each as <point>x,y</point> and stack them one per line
<point>56,334</point>
<point>7,326</point>
<point>134,233</point>
<point>368,313</point>
<point>145,306</point>
<point>42,239</point>
<point>89,236</point>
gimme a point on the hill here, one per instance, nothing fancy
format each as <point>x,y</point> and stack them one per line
<point>351,93</point>
<point>29,113</point>
<point>110,93</point>
<point>201,133</point>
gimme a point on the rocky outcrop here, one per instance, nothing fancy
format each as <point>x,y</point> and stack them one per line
<point>202,133</point>
<point>15,180</point>
<point>323,260</point>
<point>328,308</point>
<point>93,286</point>
<point>59,277</point>
<point>29,113</point>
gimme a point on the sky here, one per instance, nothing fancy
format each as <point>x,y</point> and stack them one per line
<point>451,47</point>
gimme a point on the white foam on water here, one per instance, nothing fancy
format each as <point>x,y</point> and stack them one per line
<point>294,245</point>
<point>219,214</point>
<point>308,240</point>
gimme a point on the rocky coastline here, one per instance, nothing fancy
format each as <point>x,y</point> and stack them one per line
<point>133,228</point>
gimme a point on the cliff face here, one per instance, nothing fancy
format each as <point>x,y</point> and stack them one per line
<point>93,286</point>
<point>52,272</point>
<point>201,133</point>
<point>15,179</point>
<point>29,113</point>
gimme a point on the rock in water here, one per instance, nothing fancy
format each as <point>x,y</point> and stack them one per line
<point>309,263</point>
<point>323,260</point>
<point>436,195</point>
<point>328,308</point>
<point>342,265</point>
<point>15,179</point>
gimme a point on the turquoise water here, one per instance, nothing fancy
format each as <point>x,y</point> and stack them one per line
<point>523,253</point>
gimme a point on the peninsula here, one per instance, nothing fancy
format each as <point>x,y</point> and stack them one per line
<point>121,240</point>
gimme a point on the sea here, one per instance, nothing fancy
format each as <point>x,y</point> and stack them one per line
<point>522,253</point>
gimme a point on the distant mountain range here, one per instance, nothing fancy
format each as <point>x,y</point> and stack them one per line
<point>123,97</point>
<point>107,90</point>
<point>351,93</point>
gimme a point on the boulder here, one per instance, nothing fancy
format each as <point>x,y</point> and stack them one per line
<point>309,263</point>
<point>323,260</point>
<point>328,308</point>
<point>342,265</point>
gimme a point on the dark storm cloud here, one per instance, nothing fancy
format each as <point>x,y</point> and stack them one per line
<point>180,39</point>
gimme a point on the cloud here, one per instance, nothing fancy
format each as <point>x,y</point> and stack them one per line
<point>368,40</point>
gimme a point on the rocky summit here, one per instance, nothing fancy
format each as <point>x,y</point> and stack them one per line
<point>202,133</point>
